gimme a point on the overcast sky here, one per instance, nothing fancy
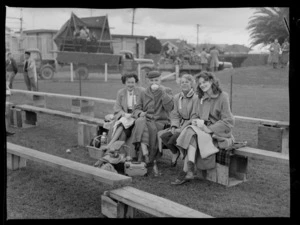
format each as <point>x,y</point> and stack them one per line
<point>217,25</point>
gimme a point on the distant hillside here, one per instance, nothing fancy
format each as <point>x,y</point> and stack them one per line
<point>225,48</point>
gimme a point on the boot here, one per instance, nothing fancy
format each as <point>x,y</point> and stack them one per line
<point>190,171</point>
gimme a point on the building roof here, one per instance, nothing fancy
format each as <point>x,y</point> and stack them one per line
<point>40,31</point>
<point>96,21</point>
<point>128,35</point>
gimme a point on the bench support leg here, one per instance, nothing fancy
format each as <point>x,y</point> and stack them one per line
<point>114,209</point>
<point>16,117</point>
<point>85,133</point>
<point>15,162</point>
<point>30,118</point>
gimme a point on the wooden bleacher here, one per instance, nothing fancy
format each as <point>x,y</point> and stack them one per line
<point>123,203</point>
<point>17,156</point>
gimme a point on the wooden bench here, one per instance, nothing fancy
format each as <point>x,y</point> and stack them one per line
<point>17,156</point>
<point>236,172</point>
<point>123,203</point>
<point>87,127</point>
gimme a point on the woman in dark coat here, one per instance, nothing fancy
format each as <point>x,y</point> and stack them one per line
<point>180,115</point>
<point>211,119</point>
<point>152,115</point>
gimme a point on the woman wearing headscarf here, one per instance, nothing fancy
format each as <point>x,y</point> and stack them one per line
<point>180,115</point>
<point>285,53</point>
<point>210,129</point>
<point>152,115</point>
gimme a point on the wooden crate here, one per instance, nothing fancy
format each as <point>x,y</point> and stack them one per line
<point>230,175</point>
<point>273,138</point>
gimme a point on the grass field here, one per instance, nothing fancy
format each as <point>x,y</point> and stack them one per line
<point>39,191</point>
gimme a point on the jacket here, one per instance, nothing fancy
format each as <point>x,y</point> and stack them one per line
<point>214,62</point>
<point>11,65</point>
<point>183,108</point>
<point>203,57</point>
<point>158,111</point>
<point>216,113</point>
<point>120,106</point>
<point>31,68</point>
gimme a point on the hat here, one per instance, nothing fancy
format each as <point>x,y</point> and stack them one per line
<point>27,52</point>
<point>153,74</point>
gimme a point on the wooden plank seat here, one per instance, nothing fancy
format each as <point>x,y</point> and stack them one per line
<point>17,156</point>
<point>123,203</point>
<point>87,127</point>
<point>87,119</point>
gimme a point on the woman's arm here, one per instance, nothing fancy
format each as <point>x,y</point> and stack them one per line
<point>118,108</point>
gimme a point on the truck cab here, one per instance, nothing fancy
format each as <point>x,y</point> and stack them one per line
<point>130,63</point>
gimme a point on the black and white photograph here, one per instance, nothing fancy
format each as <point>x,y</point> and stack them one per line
<point>147,112</point>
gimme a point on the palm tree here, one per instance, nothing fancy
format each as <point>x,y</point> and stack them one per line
<point>267,24</point>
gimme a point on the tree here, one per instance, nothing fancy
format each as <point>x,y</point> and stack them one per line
<point>268,24</point>
<point>153,45</point>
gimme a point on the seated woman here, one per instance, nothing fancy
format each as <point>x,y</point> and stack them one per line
<point>211,118</point>
<point>152,113</point>
<point>180,115</point>
<point>126,100</point>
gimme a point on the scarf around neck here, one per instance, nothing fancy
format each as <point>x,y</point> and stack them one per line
<point>188,95</point>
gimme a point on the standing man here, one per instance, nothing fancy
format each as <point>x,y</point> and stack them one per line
<point>274,53</point>
<point>204,59</point>
<point>30,75</point>
<point>11,69</point>
<point>214,62</point>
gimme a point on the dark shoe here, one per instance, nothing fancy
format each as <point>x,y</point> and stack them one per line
<point>173,164</point>
<point>9,133</point>
<point>180,179</point>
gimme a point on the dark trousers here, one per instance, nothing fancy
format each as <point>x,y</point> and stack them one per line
<point>169,140</point>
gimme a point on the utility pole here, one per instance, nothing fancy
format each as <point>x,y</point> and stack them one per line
<point>132,23</point>
<point>197,35</point>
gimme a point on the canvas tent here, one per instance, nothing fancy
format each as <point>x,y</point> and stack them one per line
<point>99,25</point>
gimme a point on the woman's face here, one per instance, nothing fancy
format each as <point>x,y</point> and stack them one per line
<point>205,85</point>
<point>276,41</point>
<point>185,84</point>
<point>130,83</point>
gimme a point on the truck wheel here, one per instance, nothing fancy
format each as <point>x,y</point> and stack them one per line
<point>47,72</point>
<point>82,71</point>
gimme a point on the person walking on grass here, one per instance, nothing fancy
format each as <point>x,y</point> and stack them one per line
<point>285,53</point>
<point>204,59</point>
<point>30,76</point>
<point>274,53</point>
<point>214,61</point>
<point>152,115</point>
<point>11,69</point>
<point>210,130</point>
<point>179,116</point>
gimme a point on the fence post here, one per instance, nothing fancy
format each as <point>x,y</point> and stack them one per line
<point>105,72</point>
<point>177,72</point>
<point>139,71</point>
<point>71,69</point>
<point>231,92</point>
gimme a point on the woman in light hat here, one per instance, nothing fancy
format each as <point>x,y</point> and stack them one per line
<point>211,119</point>
<point>180,115</point>
<point>152,115</point>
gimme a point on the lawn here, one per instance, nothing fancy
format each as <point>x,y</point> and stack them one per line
<point>39,191</point>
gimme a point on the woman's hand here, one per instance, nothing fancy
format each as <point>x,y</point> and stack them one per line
<point>127,115</point>
<point>142,114</point>
<point>206,129</point>
<point>173,130</point>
